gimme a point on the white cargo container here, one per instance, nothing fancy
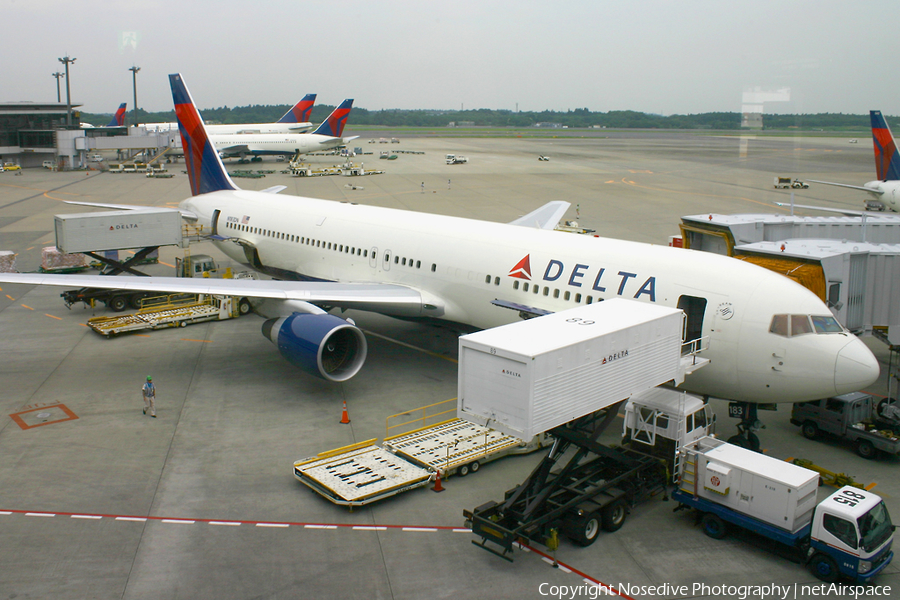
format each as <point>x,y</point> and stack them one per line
<point>118,229</point>
<point>528,377</point>
<point>759,486</point>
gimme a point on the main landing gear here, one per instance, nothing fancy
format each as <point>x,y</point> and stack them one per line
<point>746,436</point>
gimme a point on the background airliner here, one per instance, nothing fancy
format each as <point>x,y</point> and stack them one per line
<point>767,338</point>
<point>886,188</point>
<point>295,120</point>
<point>326,136</point>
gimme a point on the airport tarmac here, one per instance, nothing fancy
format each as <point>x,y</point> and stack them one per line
<point>99,501</point>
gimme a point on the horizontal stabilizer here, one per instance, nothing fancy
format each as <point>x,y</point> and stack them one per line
<point>185,214</point>
<point>847,185</point>
<point>546,217</point>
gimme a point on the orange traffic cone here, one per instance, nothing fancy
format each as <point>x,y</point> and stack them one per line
<point>437,483</point>
<point>345,418</point>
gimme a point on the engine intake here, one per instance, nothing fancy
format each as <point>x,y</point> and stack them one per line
<point>320,344</point>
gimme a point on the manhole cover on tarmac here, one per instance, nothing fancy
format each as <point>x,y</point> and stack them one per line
<point>45,415</point>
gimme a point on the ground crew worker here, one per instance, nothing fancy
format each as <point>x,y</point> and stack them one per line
<point>149,393</point>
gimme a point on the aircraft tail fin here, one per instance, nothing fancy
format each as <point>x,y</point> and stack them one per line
<point>333,126</point>
<point>301,111</point>
<point>204,167</point>
<point>887,159</point>
<point>119,118</point>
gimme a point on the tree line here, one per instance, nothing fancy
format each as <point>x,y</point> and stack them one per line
<point>577,118</point>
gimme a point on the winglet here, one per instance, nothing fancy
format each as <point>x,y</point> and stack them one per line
<point>204,167</point>
<point>887,161</point>
<point>119,118</point>
<point>333,126</point>
<point>301,111</point>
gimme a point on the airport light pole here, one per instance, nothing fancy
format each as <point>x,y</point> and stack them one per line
<point>58,75</point>
<point>66,60</point>
<point>134,71</point>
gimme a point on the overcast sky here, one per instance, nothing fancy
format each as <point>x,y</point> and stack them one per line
<point>658,56</point>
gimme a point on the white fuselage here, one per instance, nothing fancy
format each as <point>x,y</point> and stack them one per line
<point>239,128</point>
<point>887,192</point>
<point>460,266</point>
<point>288,144</point>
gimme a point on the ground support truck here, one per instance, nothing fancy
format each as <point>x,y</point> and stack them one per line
<point>850,417</point>
<point>366,472</point>
<point>847,534</point>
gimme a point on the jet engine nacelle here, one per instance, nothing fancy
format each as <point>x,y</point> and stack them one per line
<point>320,344</point>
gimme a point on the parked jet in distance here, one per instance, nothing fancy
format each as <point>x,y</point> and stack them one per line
<point>768,339</point>
<point>118,119</point>
<point>886,188</point>
<point>326,136</point>
<point>296,120</point>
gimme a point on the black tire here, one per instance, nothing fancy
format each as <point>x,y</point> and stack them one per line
<point>463,470</point>
<point>244,307</point>
<point>118,303</point>
<point>586,529</point>
<point>613,516</point>
<point>714,526</point>
<point>134,301</point>
<point>824,568</point>
<point>866,449</point>
<point>739,441</point>
<point>753,441</point>
<point>810,430</point>
<point>474,466</point>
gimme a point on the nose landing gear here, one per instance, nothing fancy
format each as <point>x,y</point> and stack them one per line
<point>746,436</point>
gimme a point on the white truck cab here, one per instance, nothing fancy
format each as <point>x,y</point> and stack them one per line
<point>851,534</point>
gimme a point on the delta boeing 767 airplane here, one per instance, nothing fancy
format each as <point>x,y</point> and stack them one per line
<point>768,339</point>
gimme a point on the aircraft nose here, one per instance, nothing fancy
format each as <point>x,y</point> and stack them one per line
<point>855,368</point>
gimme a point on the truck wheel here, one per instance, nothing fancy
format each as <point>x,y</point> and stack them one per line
<point>117,303</point>
<point>824,568</point>
<point>714,526</point>
<point>474,466</point>
<point>810,430</point>
<point>865,449</point>
<point>613,516</point>
<point>463,471</point>
<point>244,306</point>
<point>586,529</point>
<point>134,301</point>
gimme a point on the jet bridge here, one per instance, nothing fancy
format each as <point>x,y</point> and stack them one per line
<point>721,233</point>
<point>859,281</point>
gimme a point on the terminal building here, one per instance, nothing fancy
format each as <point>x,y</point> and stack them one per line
<point>34,134</point>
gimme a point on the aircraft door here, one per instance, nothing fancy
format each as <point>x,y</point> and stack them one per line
<point>373,257</point>
<point>214,222</point>
<point>693,308</point>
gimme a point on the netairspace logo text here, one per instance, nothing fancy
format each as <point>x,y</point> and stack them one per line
<point>739,592</point>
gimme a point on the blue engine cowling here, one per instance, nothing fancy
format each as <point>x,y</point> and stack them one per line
<point>320,344</point>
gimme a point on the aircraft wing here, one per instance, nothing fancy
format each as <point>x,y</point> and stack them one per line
<point>847,185</point>
<point>545,217</point>
<point>843,211</point>
<point>235,149</point>
<point>392,299</point>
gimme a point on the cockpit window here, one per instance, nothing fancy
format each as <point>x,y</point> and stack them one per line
<point>800,325</point>
<point>826,325</point>
<point>793,325</point>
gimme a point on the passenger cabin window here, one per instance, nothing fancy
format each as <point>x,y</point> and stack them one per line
<point>792,325</point>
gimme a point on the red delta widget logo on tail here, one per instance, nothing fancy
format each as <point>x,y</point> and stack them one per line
<point>579,275</point>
